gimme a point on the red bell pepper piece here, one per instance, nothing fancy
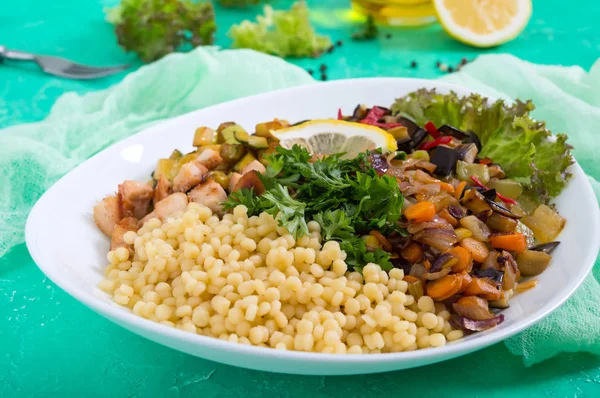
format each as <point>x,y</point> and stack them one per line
<point>374,114</point>
<point>499,195</point>
<point>432,130</point>
<point>340,116</point>
<point>437,142</point>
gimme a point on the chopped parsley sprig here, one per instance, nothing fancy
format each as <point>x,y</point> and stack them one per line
<point>345,196</point>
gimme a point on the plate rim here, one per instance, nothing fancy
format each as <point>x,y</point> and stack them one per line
<point>125,317</point>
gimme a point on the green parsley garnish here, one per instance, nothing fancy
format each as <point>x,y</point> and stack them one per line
<point>345,196</point>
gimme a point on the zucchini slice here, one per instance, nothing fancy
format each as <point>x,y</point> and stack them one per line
<point>258,142</point>
<point>245,161</point>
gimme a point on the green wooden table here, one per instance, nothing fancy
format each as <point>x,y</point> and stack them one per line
<point>50,345</point>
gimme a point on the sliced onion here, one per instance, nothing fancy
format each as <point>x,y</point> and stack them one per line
<point>439,238</point>
<point>423,164</point>
<point>439,263</point>
<point>476,325</point>
<point>477,227</point>
<point>437,222</point>
<point>395,171</point>
<point>418,270</point>
<point>491,261</point>
<point>429,189</point>
<point>431,276</point>
<point>423,177</point>
<point>457,212</point>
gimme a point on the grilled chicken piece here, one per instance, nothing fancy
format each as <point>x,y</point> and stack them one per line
<point>107,214</point>
<point>254,165</point>
<point>135,197</point>
<point>251,180</point>
<point>125,225</point>
<point>209,158</point>
<point>235,178</point>
<point>190,175</point>
<point>209,194</point>
<point>170,205</point>
<point>162,189</point>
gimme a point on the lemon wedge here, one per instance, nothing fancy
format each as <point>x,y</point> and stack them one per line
<point>483,23</point>
<point>327,137</point>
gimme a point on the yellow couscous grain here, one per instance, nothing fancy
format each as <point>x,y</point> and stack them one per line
<point>247,280</point>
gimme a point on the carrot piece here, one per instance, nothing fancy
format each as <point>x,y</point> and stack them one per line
<point>446,187</point>
<point>385,244</point>
<point>459,190</point>
<point>478,249</point>
<point>465,259</point>
<point>466,280</point>
<point>445,214</point>
<point>512,242</point>
<point>412,253</point>
<point>420,212</point>
<point>445,287</point>
<point>483,287</point>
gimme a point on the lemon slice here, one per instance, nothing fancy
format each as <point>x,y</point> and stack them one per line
<point>326,137</point>
<point>483,23</point>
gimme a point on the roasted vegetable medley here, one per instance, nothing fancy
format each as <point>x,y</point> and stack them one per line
<point>438,228</point>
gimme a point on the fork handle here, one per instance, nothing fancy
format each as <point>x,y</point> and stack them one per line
<point>15,55</point>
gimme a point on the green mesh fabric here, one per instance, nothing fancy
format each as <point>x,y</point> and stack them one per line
<point>568,99</point>
<point>33,156</point>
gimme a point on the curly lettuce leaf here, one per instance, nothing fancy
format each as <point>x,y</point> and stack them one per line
<point>525,148</point>
<point>155,28</point>
<point>285,33</point>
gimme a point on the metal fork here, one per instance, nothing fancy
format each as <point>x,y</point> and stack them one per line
<point>60,66</point>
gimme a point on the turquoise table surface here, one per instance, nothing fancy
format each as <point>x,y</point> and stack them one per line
<point>50,345</point>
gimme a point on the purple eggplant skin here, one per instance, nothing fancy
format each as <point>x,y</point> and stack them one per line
<point>467,152</point>
<point>445,159</point>
<point>474,139</point>
<point>492,273</point>
<point>547,248</point>
<point>441,260</point>
<point>471,325</point>
<point>452,131</point>
<point>411,126</point>
<point>498,208</point>
<point>489,194</point>
<point>402,264</point>
<point>457,211</point>
<point>415,140</point>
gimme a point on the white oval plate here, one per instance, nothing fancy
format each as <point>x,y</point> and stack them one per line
<point>70,250</point>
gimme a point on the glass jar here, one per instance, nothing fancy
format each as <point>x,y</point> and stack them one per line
<point>397,12</point>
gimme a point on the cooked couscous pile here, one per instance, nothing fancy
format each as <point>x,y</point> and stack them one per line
<point>246,280</point>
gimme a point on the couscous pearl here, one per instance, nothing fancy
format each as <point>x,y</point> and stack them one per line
<point>247,280</point>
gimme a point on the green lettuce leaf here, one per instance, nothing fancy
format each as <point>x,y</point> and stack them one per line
<point>285,33</point>
<point>525,148</point>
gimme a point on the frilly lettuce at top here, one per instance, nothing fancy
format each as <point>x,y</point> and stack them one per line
<point>523,146</point>
<point>285,33</point>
